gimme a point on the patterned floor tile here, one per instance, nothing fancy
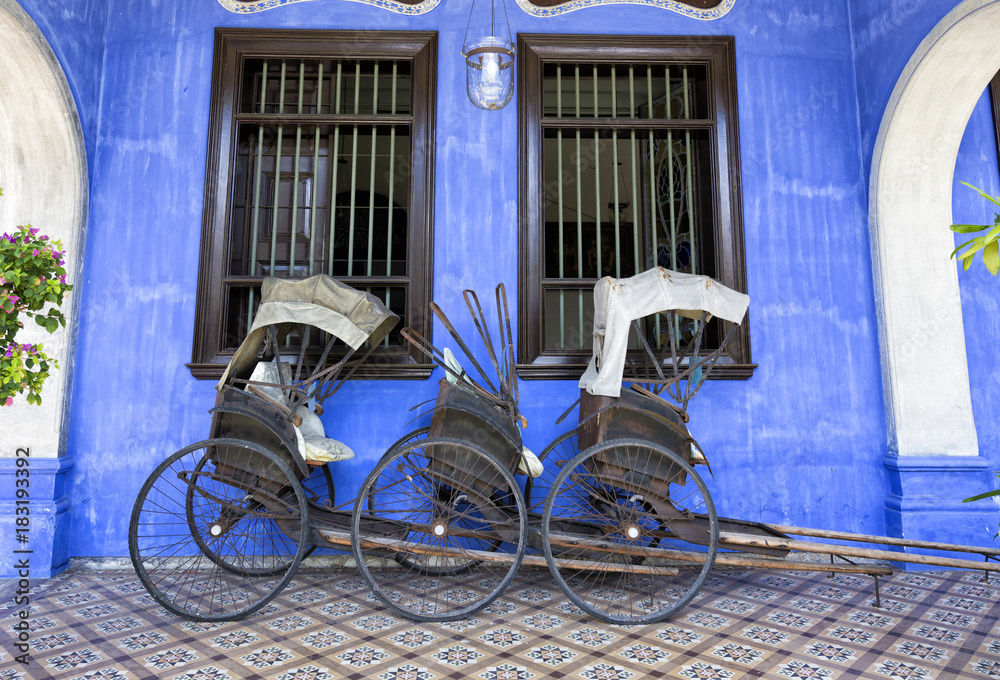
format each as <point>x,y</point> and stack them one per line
<point>551,655</point>
<point>413,638</point>
<point>605,671</point>
<point>502,637</point>
<point>900,670</point>
<point>737,653</point>
<point>508,671</point>
<point>802,670</point>
<point>644,654</point>
<point>701,670</point>
<point>324,626</point>
<point>457,655</point>
<point>324,639</point>
<point>406,672</point>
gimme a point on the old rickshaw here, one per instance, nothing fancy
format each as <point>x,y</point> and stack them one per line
<point>440,527</point>
<point>220,527</point>
<point>627,526</point>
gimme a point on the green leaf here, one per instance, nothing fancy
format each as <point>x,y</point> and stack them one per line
<point>52,324</point>
<point>988,494</point>
<point>991,258</point>
<point>964,244</point>
<point>984,195</point>
<point>968,228</point>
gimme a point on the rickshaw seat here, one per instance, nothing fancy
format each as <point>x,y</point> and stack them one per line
<point>313,444</point>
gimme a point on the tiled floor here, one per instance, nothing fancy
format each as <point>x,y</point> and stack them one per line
<point>770,624</point>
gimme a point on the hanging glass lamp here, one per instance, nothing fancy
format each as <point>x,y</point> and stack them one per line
<point>489,64</point>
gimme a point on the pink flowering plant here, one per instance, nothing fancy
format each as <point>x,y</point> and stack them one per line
<point>32,286</point>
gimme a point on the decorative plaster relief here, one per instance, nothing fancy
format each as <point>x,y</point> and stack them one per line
<point>705,10</point>
<point>411,7</point>
<point>696,9</point>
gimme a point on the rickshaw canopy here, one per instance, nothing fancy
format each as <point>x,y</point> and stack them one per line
<point>617,302</point>
<point>351,315</point>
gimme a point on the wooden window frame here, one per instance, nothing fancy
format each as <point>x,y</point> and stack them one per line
<point>232,47</point>
<point>717,52</point>
<point>994,88</point>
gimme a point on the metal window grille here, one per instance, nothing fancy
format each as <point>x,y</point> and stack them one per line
<point>627,168</point>
<point>322,153</point>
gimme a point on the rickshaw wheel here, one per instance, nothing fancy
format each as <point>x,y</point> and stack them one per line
<point>318,483</point>
<point>238,500</point>
<point>416,435</point>
<point>618,549</point>
<point>402,558</point>
<point>427,542</point>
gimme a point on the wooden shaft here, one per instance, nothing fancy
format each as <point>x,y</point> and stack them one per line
<point>884,540</point>
<point>739,560</point>
<point>852,551</point>
<point>376,543</point>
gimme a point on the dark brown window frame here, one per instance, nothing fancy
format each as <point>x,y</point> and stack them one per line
<point>232,47</point>
<point>534,50</point>
<point>994,88</point>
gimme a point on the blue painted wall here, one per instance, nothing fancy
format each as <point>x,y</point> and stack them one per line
<point>801,442</point>
<point>886,33</point>
<point>75,31</point>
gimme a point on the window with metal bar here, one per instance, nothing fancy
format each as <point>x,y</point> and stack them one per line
<point>319,162</point>
<point>629,160</point>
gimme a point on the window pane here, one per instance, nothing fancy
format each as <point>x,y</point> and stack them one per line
<point>650,192</point>
<point>569,319</point>
<point>625,91</point>
<point>569,325</point>
<point>281,216</point>
<point>326,86</point>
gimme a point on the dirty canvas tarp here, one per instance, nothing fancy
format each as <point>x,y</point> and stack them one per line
<point>321,301</point>
<point>617,302</point>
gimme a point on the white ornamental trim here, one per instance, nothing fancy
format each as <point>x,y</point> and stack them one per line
<point>390,5</point>
<point>672,5</point>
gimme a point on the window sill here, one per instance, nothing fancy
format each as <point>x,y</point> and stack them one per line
<point>372,371</point>
<point>547,369</point>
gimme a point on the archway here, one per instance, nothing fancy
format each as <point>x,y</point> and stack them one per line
<point>925,374</point>
<point>43,173</point>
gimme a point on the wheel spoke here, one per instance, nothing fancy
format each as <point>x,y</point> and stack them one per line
<point>607,508</point>
<point>210,550</point>
<point>435,528</point>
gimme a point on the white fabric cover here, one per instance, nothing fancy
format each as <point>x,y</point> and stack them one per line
<point>313,443</point>
<point>617,302</point>
<point>529,465</point>
<point>267,372</point>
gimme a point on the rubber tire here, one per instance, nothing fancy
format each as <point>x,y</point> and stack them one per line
<point>164,504</point>
<point>572,591</point>
<point>411,457</point>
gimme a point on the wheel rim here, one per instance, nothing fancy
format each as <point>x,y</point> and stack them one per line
<point>425,568</point>
<point>209,549</point>
<point>562,450</point>
<point>629,534</point>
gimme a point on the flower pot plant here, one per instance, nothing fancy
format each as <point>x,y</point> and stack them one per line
<point>32,286</point>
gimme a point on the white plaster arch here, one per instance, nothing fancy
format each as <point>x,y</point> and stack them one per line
<point>43,173</point>
<point>924,367</point>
